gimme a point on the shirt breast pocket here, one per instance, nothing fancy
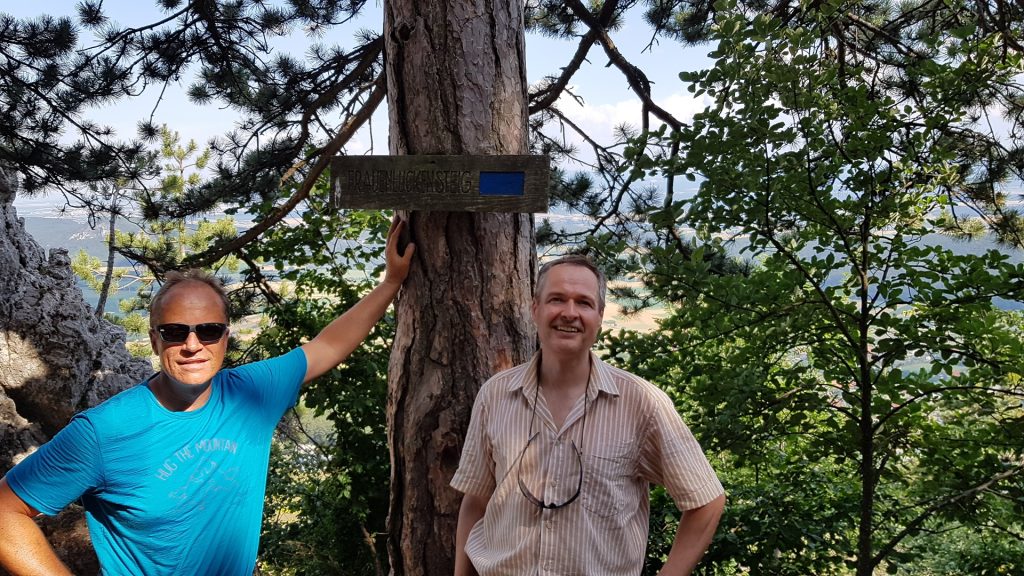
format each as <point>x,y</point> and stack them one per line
<point>606,477</point>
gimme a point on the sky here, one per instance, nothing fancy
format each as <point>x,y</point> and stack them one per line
<point>608,100</point>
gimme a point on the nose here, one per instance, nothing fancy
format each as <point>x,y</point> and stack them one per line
<point>192,343</point>
<point>569,309</point>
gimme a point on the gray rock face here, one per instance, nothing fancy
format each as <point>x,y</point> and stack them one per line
<point>56,357</point>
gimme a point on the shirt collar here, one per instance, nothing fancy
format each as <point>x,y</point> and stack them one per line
<point>600,378</point>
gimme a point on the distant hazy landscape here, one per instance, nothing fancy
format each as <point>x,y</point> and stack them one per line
<point>52,229</point>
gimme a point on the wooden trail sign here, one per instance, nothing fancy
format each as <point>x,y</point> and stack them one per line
<point>441,183</point>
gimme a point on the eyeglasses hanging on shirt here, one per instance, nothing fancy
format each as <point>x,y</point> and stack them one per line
<point>523,488</point>
<point>579,481</point>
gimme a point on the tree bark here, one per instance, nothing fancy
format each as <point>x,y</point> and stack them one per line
<point>456,85</point>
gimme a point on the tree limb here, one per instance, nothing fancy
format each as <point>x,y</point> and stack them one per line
<point>634,76</point>
<point>938,505</point>
<point>324,159</point>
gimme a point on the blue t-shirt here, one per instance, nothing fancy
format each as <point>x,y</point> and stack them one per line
<point>176,493</point>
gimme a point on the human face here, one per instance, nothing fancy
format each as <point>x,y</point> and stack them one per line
<point>567,311</point>
<point>191,363</point>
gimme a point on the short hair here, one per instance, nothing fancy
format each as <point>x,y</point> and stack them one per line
<point>574,260</point>
<point>174,278</point>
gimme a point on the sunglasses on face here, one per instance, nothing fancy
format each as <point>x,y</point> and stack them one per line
<point>178,333</point>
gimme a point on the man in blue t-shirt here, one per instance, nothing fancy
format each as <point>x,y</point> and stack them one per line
<point>172,472</point>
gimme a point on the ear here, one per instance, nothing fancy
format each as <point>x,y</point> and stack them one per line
<point>153,338</point>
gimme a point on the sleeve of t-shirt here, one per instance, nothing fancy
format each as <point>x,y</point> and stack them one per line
<point>275,382</point>
<point>60,471</point>
<point>476,465</point>
<point>672,458</point>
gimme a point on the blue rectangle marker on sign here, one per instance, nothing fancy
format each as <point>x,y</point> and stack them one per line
<point>502,183</point>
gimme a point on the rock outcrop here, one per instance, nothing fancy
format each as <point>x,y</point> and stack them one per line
<point>56,357</point>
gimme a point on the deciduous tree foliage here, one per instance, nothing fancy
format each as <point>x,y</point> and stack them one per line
<point>327,495</point>
<point>856,358</point>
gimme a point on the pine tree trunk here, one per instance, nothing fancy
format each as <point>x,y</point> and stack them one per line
<point>108,274</point>
<point>456,85</point>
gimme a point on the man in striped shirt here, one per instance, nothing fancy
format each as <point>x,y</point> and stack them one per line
<point>561,451</point>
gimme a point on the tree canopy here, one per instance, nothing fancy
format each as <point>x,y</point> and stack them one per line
<point>854,346</point>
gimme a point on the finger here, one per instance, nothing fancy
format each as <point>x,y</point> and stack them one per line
<point>409,250</point>
<point>404,238</point>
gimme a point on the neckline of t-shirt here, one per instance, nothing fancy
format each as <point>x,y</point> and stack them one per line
<point>184,414</point>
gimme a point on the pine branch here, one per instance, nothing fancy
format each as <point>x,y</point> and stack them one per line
<point>550,93</point>
<point>324,158</point>
<point>634,76</point>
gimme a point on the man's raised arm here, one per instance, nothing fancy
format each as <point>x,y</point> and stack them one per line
<point>336,341</point>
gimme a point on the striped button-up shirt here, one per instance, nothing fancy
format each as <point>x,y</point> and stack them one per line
<point>628,435</point>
